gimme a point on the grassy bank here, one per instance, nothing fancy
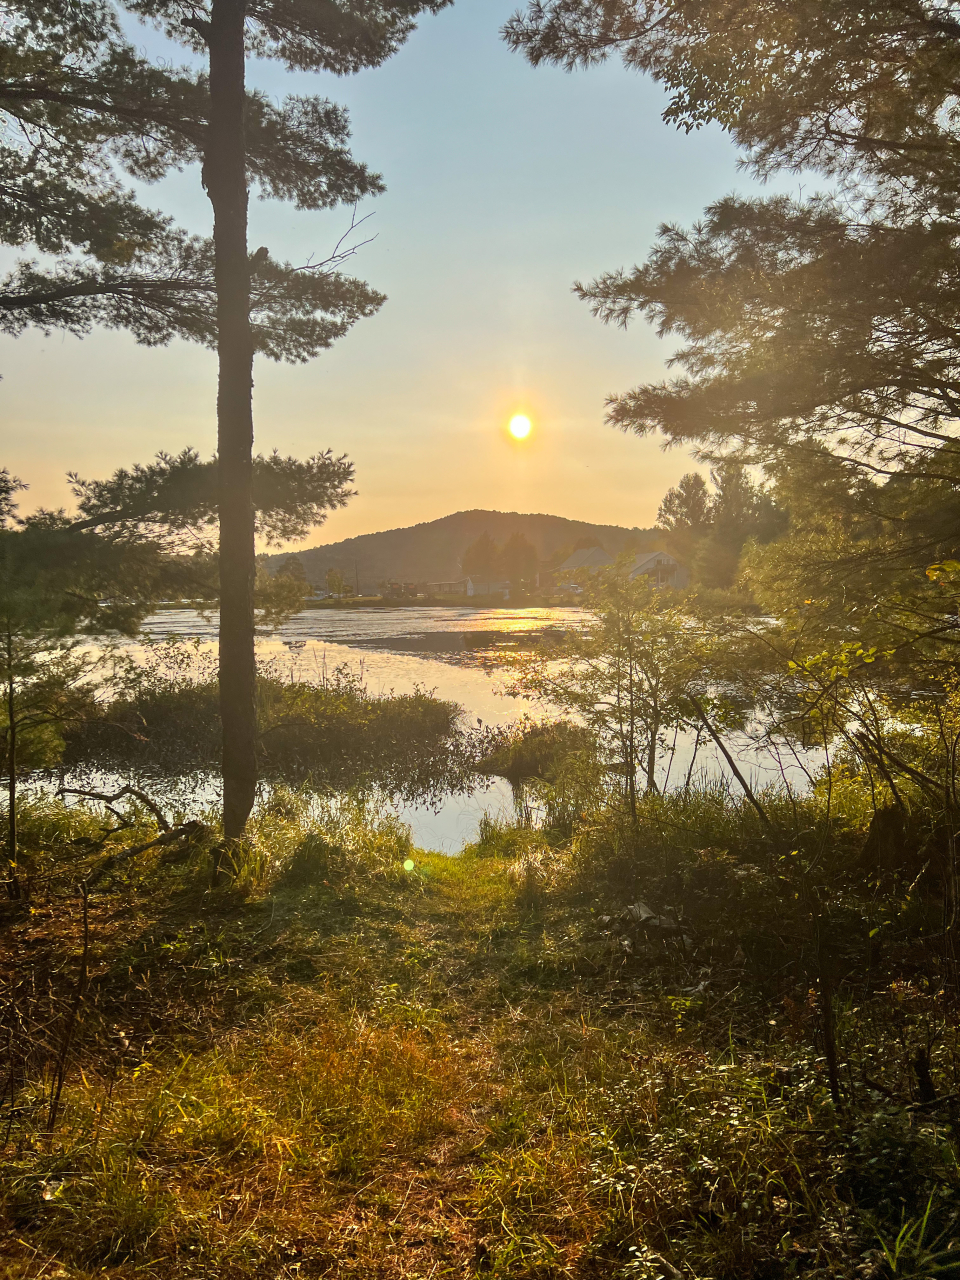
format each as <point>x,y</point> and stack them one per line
<point>364,1060</point>
<point>325,727</point>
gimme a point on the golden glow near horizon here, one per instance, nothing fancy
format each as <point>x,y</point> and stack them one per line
<point>520,426</point>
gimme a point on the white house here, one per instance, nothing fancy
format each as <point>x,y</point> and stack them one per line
<point>662,568</point>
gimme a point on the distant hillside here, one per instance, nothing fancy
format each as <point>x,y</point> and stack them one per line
<point>431,552</point>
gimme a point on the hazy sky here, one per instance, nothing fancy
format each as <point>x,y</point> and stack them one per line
<point>505,184</point>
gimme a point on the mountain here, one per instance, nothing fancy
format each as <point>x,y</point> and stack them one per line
<point>431,552</point>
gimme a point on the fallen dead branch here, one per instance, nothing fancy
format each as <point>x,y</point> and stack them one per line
<point>110,800</point>
<point>188,831</point>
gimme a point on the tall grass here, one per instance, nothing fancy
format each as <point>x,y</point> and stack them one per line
<point>306,837</point>
<point>325,728</point>
<point>220,1159</point>
<point>493,1065</point>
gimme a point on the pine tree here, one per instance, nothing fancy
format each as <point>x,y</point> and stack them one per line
<point>806,323</point>
<point>709,530</point>
<point>105,568</point>
<point>818,337</point>
<point>292,567</point>
<point>81,109</point>
<point>686,508</point>
<point>518,561</point>
<point>850,87</point>
<point>481,560</point>
<point>148,123</point>
<point>326,37</point>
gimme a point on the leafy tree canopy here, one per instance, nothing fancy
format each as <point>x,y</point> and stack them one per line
<point>819,336</point>
<point>801,331</point>
<point>804,323</point>
<point>687,506</point>
<point>708,530</point>
<point>844,86</point>
<point>105,568</point>
<point>292,567</point>
<point>480,560</point>
<point>518,560</point>
<point>82,111</point>
<point>175,496</point>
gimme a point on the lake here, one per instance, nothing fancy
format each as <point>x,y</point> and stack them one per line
<point>446,651</point>
<point>451,652</point>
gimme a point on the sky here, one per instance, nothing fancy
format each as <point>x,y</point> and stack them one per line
<point>505,184</point>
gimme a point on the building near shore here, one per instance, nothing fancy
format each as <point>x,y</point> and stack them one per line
<point>663,569</point>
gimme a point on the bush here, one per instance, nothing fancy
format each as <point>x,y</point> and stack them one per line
<point>346,836</point>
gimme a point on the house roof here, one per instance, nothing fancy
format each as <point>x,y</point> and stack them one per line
<point>586,558</point>
<point>650,561</point>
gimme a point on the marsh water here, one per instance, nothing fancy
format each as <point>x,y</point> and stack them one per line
<point>458,655</point>
<point>450,652</point>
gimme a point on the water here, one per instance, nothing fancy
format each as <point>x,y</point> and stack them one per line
<point>446,651</point>
<point>452,653</point>
<point>383,625</point>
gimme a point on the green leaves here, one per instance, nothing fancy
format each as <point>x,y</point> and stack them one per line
<point>838,664</point>
<point>174,496</point>
<point>843,87</point>
<point>143,535</point>
<point>817,337</point>
<point>627,675</point>
<point>82,110</point>
<point>945,573</point>
<point>167,290</point>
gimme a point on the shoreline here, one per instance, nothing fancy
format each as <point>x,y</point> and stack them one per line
<point>428,602</point>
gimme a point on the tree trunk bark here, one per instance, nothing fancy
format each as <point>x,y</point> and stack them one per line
<point>224,174</point>
<point>652,753</point>
<point>13,883</point>
<point>722,747</point>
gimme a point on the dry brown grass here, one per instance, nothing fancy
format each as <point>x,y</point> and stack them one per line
<point>291,1143</point>
<point>351,1072</point>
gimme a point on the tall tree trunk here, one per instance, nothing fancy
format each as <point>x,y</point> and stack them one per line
<point>652,746</point>
<point>734,769</point>
<point>225,178</point>
<point>13,882</point>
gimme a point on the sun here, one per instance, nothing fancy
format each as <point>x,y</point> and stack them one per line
<point>519,426</point>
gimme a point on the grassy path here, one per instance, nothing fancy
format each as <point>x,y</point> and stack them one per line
<point>406,1076</point>
<point>329,1079</point>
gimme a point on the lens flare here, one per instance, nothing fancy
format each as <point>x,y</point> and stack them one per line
<point>519,426</point>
